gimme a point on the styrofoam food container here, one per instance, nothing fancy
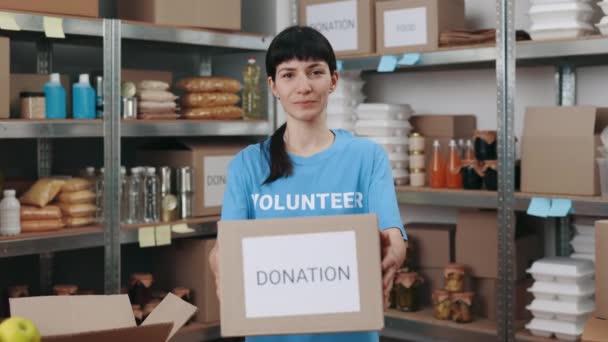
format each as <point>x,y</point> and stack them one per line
<point>382,128</point>
<point>392,144</point>
<point>567,331</point>
<point>603,25</point>
<point>383,115</point>
<point>386,111</point>
<point>560,12</point>
<point>562,311</point>
<point>604,6</point>
<point>583,244</point>
<point>583,229</point>
<point>562,269</point>
<point>560,31</point>
<point>349,87</point>
<point>338,122</point>
<point>584,256</point>
<point>563,292</point>
<point>549,2</point>
<point>401,176</point>
<point>399,160</point>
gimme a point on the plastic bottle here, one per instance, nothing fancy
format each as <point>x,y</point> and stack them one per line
<point>469,152</point>
<point>437,175</point>
<point>453,175</point>
<point>251,90</point>
<point>10,216</point>
<point>151,196</point>
<point>54,95</point>
<point>134,202</point>
<point>83,95</point>
<point>124,195</point>
<point>99,96</point>
<point>461,148</point>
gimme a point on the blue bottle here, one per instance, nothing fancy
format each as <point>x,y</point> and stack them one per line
<point>83,98</point>
<point>54,98</point>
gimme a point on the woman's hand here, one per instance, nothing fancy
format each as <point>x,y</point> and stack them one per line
<point>215,267</point>
<point>393,255</point>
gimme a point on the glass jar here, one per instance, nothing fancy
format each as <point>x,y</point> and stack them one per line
<point>32,106</point>
<point>406,291</point>
<point>140,292</point>
<point>417,178</point>
<point>485,145</point>
<point>65,290</point>
<point>454,278</point>
<point>416,142</point>
<point>462,303</point>
<point>490,177</point>
<point>442,305</point>
<point>417,160</point>
<point>471,175</point>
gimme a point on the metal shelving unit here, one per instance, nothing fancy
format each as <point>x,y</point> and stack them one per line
<point>194,128</point>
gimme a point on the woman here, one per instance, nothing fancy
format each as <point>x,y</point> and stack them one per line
<point>337,173</point>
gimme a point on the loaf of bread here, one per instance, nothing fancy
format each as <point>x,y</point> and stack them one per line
<point>204,84</point>
<point>214,113</point>
<point>197,100</point>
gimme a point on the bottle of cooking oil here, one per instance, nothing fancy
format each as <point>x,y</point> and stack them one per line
<point>251,90</point>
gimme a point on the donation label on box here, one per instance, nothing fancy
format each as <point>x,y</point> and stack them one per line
<point>337,21</point>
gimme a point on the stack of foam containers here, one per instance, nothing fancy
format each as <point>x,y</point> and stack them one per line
<point>603,24</point>
<point>343,101</point>
<point>559,19</point>
<point>388,125</point>
<point>583,242</point>
<point>563,297</point>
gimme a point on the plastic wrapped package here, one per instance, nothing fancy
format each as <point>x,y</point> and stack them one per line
<point>76,184</point>
<point>204,84</point>
<point>78,210</point>
<point>143,105</point>
<point>42,192</point>
<point>197,100</point>
<point>156,96</point>
<point>214,113</point>
<point>41,225</point>
<point>79,221</point>
<point>153,85</point>
<point>77,197</point>
<point>30,213</point>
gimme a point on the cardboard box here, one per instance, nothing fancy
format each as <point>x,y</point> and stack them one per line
<point>136,76</point>
<point>85,8</point>
<point>5,70</point>
<point>596,330</point>
<point>601,269</point>
<point>194,273</point>
<point>101,318</point>
<point>300,275</point>
<point>550,134</point>
<point>433,244</point>
<point>414,25</point>
<point>348,25</point>
<point>485,304</point>
<point>225,14</point>
<point>477,241</point>
<point>34,83</point>
<point>210,163</point>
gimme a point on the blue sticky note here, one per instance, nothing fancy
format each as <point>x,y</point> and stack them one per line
<point>410,59</point>
<point>560,207</point>
<point>539,207</point>
<point>339,65</point>
<point>387,64</point>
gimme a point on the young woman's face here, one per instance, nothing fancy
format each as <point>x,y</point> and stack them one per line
<point>303,87</point>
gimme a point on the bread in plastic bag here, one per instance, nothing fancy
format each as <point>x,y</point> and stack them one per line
<point>42,192</point>
<point>77,197</point>
<point>76,184</point>
<point>41,225</point>
<point>207,84</point>
<point>78,210</point>
<point>156,105</point>
<point>156,96</point>
<point>214,113</point>
<point>158,116</point>
<point>79,221</point>
<point>31,213</point>
<point>152,85</point>
<point>197,100</point>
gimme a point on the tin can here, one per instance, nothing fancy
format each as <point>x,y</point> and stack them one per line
<point>129,108</point>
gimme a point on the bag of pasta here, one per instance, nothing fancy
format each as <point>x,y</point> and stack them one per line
<point>42,192</point>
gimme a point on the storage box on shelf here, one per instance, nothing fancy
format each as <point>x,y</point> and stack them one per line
<point>85,8</point>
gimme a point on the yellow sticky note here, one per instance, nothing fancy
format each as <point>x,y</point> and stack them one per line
<point>163,235</point>
<point>182,228</point>
<point>53,27</point>
<point>8,22</point>
<point>146,237</point>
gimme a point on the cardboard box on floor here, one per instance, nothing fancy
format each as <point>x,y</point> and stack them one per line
<point>328,269</point>
<point>596,330</point>
<point>34,83</point>
<point>414,25</point>
<point>5,70</point>
<point>484,302</point>
<point>559,147</point>
<point>348,25</point>
<point>84,8</point>
<point>433,244</point>
<point>601,269</point>
<point>101,318</point>
<point>225,14</point>
<point>210,163</point>
<point>136,76</point>
<point>477,238</point>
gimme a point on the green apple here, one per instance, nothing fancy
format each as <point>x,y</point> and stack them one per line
<point>17,329</point>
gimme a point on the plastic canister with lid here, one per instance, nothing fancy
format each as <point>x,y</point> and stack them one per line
<point>54,93</point>
<point>417,178</point>
<point>416,142</point>
<point>10,214</point>
<point>417,160</point>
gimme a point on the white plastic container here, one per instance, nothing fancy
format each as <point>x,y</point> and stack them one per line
<point>347,87</point>
<point>584,229</point>
<point>583,244</point>
<point>392,144</point>
<point>382,128</point>
<point>399,160</point>
<point>561,13</point>
<point>562,270</point>
<point>583,256</point>
<point>340,122</point>
<point>562,311</point>
<point>560,31</point>
<point>567,293</point>
<point>10,215</point>
<point>604,6</point>
<point>383,111</point>
<point>550,2</point>
<point>401,176</point>
<point>567,331</point>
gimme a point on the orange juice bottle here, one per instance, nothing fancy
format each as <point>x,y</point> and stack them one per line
<point>453,175</point>
<point>437,176</point>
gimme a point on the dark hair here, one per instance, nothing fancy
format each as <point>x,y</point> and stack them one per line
<point>302,43</point>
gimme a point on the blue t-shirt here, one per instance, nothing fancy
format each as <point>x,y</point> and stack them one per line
<point>352,176</point>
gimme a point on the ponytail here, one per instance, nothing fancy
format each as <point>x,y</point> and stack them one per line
<point>280,163</point>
